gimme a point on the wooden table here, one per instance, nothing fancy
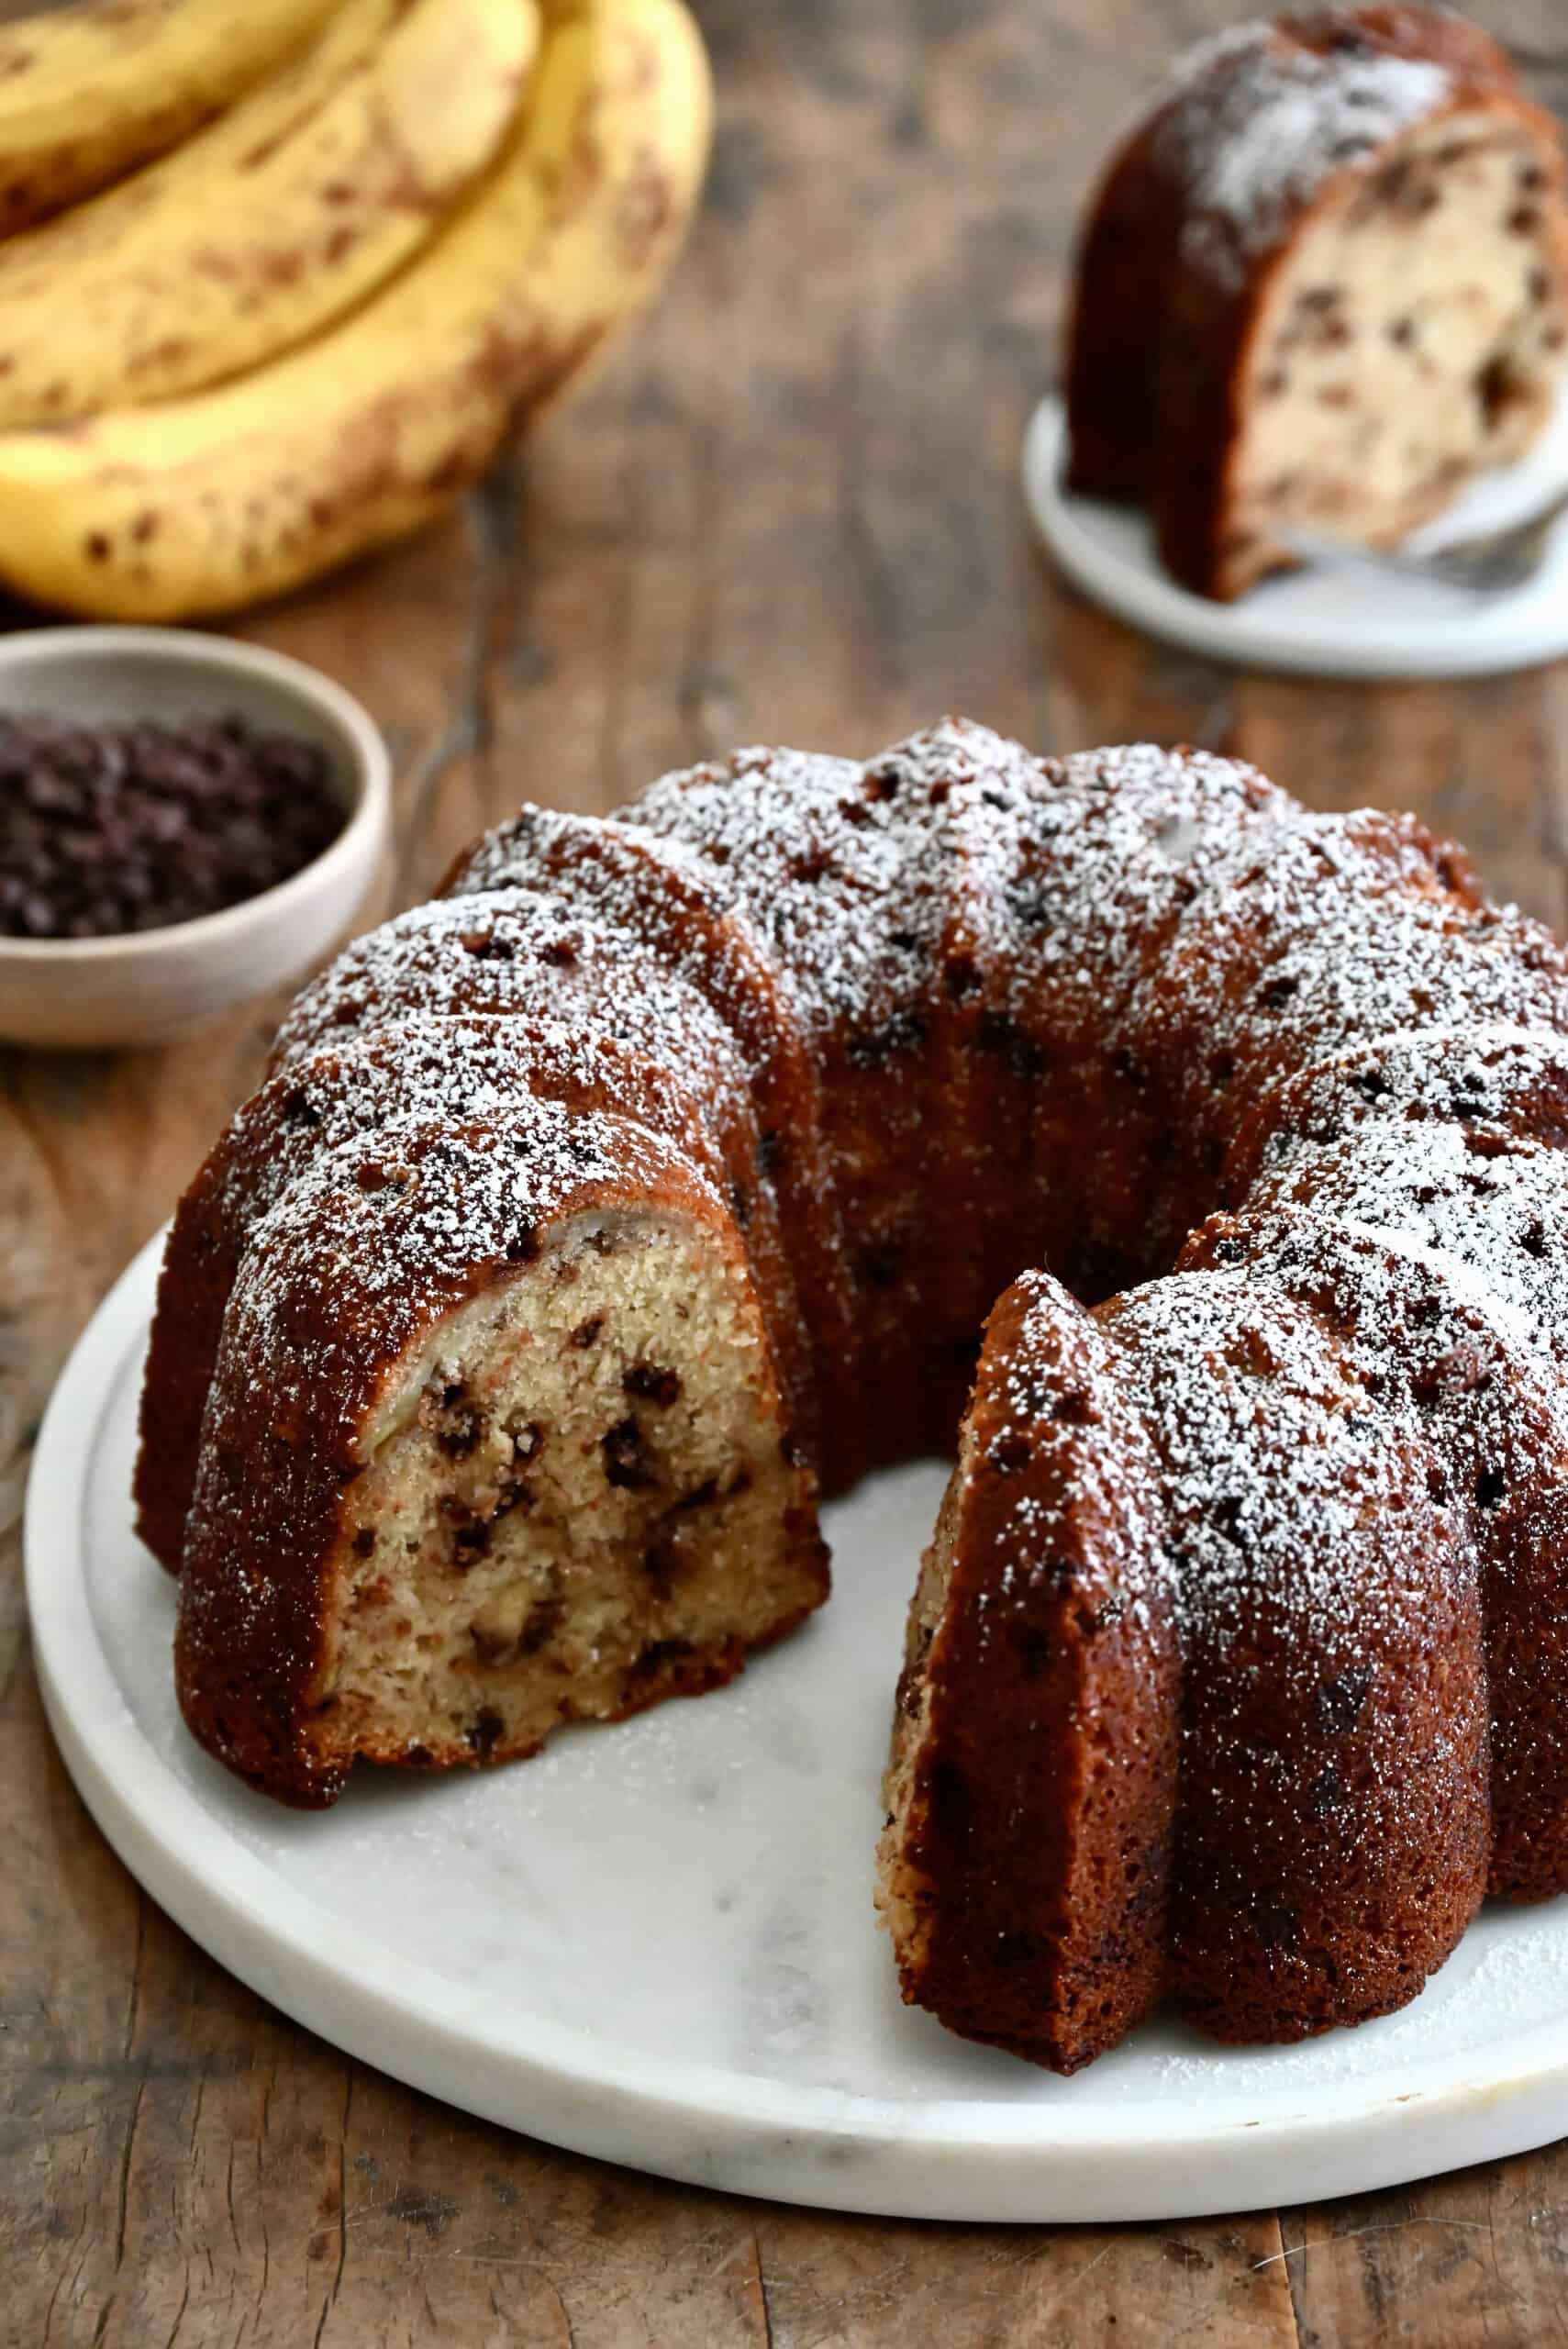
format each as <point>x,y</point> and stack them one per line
<point>788,513</point>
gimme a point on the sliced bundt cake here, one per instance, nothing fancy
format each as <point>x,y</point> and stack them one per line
<point>592,1211</point>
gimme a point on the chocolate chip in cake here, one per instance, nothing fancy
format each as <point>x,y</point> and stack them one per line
<point>513,1493</point>
<point>1001,1035</point>
<point>653,1383</point>
<point>485,1733</point>
<point>905,1033</point>
<point>485,947</point>
<point>1498,389</point>
<point>661,1565</point>
<point>586,1332</point>
<point>626,1464</point>
<point>1035,1649</point>
<point>540,1626</point>
<point>1277,1926</point>
<point>1338,1703</point>
<point>658,1653</point>
<point>876,1268</point>
<point>470,1542</point>
<point>461,1437</point>
<point>299,1110</point>
<point>1416,201</point>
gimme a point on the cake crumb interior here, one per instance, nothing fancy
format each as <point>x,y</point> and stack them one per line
<point>578,1493</point>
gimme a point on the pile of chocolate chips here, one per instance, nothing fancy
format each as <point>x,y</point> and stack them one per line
<point>109,829</point>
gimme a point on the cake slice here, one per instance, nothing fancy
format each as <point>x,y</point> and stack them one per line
<point>495,1443</point>
<point>1025,1864</point>
<point>1324,283</point>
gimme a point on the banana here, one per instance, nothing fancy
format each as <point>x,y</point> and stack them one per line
<point>204,504</point>
<point>92,89</point>
<point>273,220</point>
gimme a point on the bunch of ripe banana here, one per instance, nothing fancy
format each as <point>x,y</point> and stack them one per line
<point>319,257</point>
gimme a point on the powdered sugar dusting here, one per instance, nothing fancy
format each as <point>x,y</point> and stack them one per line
<point>1269,1473</point>
<point>439,1071</point>
<point>849,873</point>
<point>385,1227</point>
<point>1259,123</point>
<point>1087,1463</point>
<point>529,954</point>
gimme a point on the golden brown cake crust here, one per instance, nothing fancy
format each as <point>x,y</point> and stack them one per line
<point>1034,1851</point>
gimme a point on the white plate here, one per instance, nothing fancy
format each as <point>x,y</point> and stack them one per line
<point>655,1943</point>
<point>1339,622</point>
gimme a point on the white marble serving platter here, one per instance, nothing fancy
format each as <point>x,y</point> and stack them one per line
<point>1334,621</point>
<point>656,1943</point>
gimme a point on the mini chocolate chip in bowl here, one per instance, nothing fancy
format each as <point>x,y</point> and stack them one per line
<point>186,823</point>
<point>106,830</point>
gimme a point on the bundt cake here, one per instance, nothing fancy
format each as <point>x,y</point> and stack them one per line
<point>1323,282</point>
<point>664,1172</point>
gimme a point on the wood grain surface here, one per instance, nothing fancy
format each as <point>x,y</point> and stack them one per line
<point>789,512</point>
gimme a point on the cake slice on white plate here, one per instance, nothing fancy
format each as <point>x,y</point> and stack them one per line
<point>1324,283</point>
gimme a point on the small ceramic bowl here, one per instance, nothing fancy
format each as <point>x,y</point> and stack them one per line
<point>154,985</point>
